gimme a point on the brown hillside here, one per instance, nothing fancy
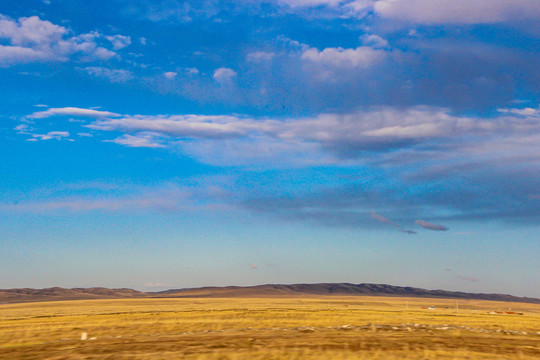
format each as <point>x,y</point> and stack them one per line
<point>259,291</point>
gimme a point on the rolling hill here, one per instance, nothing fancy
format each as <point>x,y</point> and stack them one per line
<point>269,290</point>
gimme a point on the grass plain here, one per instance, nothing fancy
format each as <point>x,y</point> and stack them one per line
<point>313,327</point>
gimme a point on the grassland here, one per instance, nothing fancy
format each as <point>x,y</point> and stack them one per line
<point>270,328</point>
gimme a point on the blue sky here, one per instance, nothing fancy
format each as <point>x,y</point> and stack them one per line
<point>160,144</point>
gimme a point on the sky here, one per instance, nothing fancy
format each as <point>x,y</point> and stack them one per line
<point>171,144</point>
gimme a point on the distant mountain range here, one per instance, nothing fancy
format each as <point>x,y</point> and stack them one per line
<point>271,290</point>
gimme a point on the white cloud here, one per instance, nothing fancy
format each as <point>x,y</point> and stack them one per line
<point>86,45</point>
<point>139,140</point>
<point>113,75</point>
<point>260,56</point>
<point>377,128</point>
<point>119,41</point>
<point>528,111</point>
<point>376,125</point>
<point>255,151</point>
<point>326,137</point>
<point>71,111</point>
<point>57,135</point>
<point>373,126</point>
<point>167,197</point>
<point>309,3</point>
<point>189,126</point>
<point>458,11</point>
<point>16,54</point>
<point>34,40</point>
<point>192,71</point>
<point>428,11</point>
<point>31,30</point>
<point>21,128</point>
<point>359,6</point>
<point>169,202</point>
<point>99,53</point>
<point>170,74</point>
<point>224,75</point>
<point>25,129</point>
<point>361,57</point>
<point>374,41</point>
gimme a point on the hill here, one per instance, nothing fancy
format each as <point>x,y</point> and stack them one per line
<point>270,290</point>
<point>335,289</point>
<point>58,293</point>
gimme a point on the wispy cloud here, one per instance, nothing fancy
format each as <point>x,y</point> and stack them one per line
<point>119,41</point>
<point>27,129</point>
<point>189,126</point>
<point>309,3</point>
<point>468,278</point>
<point>525,112</point>
<point>462,277</point>
<point>419,147</point>
<point>346,136</point>
<point>140,140</point>
<point>200,194</point>
<point>427,11</point>
<point>113,75</point>
<point>387,221</point>
<point>430,226</point>
<point>168,198</point>
<point>457,11</point>
<point>260,56</point>
<point>57,135</point>
<point>93,204</point>
<point>71,111</point>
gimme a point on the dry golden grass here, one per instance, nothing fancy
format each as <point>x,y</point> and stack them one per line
<point>339,328</point>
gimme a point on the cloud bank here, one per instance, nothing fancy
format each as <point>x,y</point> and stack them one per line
<point>382,129</point>
<point>421,151</point>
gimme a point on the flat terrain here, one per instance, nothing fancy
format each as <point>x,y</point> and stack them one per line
<point>310,327</point>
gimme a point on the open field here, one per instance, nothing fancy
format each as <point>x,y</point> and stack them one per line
<point>270,328</point>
